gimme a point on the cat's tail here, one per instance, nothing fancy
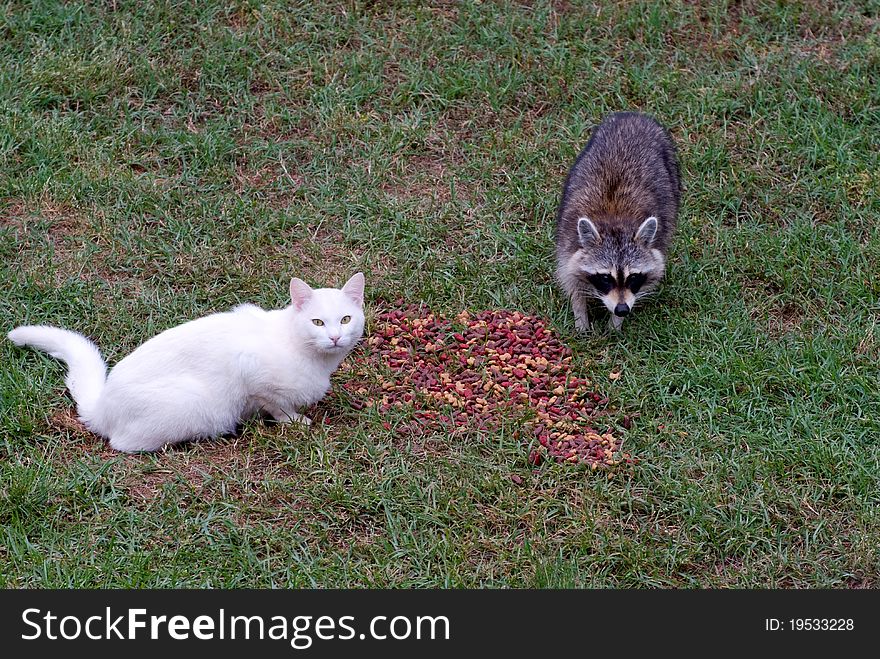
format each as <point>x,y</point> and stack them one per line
<point>86,370</point>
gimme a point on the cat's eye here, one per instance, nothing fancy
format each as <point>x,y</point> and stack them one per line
<point>318,322</point>
<point>345,320</point>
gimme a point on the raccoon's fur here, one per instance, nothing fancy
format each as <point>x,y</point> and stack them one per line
<point>617,215</point>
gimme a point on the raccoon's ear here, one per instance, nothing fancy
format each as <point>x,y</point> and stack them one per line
<point>587,232</point>
<point>645,233</point>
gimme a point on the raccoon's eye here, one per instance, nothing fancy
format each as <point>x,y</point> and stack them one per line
<point>602,282</point>
<point>345,320</point>
<point>318,322</point>
<point>635,281</point>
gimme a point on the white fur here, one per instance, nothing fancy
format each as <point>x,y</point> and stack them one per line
<point>202,378</point>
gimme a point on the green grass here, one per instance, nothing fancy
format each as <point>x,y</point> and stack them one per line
<point>160,161</point>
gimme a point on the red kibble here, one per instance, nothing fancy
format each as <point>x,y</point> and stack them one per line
<point>480,371</point>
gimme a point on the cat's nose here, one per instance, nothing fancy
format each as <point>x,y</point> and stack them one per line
<point>335,340</point>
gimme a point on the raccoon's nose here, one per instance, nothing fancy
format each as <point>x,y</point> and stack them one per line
<point>621,310</point>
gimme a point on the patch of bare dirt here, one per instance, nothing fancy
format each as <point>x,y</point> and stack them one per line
<point>426,178</point>
<point>82,441</point>
<point>240,20</point>
<point>222,467</point>
<point>60,238</point>
<point>776,320</point>
<point>785,319</point>
<point>226,467</point>
<point>63,220</point>
<point>860,581</point>
<point>323,258</point>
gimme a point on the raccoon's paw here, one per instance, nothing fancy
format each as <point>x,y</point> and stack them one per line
<point>582,324</point>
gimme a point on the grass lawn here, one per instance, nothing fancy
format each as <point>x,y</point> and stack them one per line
<point>163,160</point>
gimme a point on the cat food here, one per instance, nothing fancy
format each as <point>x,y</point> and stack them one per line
<point>486,372</point>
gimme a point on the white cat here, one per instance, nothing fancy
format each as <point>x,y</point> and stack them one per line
<point>202,378</point>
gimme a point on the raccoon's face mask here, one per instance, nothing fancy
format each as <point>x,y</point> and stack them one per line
<point>619,268</point>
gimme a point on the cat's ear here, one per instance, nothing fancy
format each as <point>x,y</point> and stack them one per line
<point>300,292</point>
<point>354,288</point>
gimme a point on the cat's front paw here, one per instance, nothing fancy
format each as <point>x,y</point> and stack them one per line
<point>287,417</point>
<point>303,419</point>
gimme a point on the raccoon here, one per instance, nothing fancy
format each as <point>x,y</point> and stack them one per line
<point>617,214</point>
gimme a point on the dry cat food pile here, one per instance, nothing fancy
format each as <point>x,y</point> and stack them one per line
<point>480,371</point>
